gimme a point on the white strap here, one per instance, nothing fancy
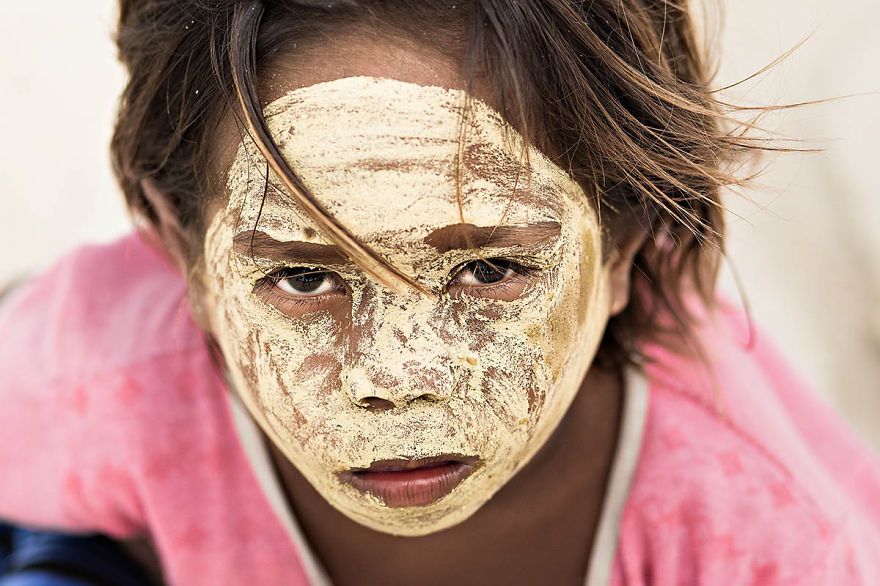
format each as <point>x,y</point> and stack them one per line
<point>626,457</point>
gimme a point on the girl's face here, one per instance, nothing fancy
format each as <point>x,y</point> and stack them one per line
<point>406,411</point>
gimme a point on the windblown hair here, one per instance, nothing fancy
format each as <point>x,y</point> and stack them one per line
<point>616,92</point>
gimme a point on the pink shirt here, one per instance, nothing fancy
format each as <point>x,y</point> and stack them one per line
<point>114,419</point>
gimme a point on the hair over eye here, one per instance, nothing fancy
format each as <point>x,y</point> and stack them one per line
<point>482,272</point>
<point>495,277</point>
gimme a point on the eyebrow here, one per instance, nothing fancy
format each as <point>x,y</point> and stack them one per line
<point>443,240</point>
<point>466,236</point>
<point>257,243</point>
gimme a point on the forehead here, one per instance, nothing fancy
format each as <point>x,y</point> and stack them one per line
<point>385,156</point>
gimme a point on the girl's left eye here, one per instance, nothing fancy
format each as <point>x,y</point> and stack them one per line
<point>494,278</point>
<point>480,273</point>
<point>305,282</point>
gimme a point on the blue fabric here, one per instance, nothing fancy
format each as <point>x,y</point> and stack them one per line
<point>41,578</point>
<point>40,558</point>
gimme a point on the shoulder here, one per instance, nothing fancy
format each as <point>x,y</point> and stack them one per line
<point>729,488</point>
<point>99,308</point>
<point>104,373</point>
<point>708,501</point>
<point>104,323</point>
<point>710,504</point>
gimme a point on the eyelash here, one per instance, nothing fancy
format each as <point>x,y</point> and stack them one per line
<point>519,272</point>
<point>268,287</point>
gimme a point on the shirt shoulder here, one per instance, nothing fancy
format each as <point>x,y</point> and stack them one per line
<point>128,430</point>
<point>730,488</point>
<point>101,365</point>
<point>98,309</point>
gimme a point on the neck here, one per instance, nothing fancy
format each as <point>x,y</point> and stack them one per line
<point>539,528</point>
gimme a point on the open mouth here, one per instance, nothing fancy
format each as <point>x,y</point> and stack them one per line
<point>412,483</point>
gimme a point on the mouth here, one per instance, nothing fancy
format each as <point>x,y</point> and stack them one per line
<point>411,483</point>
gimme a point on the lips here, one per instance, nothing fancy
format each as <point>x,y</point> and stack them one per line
<point>411,483</point>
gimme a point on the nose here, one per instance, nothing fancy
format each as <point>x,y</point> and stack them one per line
<point>381,391</point>
<point>396,354</point>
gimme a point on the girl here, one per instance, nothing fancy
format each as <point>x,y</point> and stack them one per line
<point>423,293</point>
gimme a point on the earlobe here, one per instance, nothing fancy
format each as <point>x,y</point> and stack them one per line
<point>167,225</point>
<point>620,265</point>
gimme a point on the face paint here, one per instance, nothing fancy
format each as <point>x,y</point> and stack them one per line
<point>478,376</point>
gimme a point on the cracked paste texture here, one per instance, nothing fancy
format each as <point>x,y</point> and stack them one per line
<point>470,376</point>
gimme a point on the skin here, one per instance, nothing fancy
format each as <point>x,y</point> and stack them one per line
<point>515,537</point>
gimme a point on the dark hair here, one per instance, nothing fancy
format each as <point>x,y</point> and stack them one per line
<point>617,92</point>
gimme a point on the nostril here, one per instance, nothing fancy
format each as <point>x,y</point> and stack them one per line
<point>428,397</point>
<point>376,404</point>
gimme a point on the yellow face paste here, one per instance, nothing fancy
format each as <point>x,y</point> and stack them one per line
<point>467,372</point>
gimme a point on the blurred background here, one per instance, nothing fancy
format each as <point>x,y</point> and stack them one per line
<point>806,243</point>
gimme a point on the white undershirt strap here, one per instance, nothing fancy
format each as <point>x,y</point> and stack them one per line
<point>626,457</point>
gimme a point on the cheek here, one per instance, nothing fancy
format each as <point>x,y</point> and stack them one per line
<point>526,348</point>
<point>288,367</point>
<point>509,370</point>
<point>323,367</point>
<point>578,315</point>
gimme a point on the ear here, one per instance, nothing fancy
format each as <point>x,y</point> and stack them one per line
<point>170,231</point>
<point>620,264</point>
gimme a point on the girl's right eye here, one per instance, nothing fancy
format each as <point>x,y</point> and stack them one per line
<point>298,291</point>
<point>302,282</point>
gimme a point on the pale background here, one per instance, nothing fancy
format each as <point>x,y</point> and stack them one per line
<point>808,252</point>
